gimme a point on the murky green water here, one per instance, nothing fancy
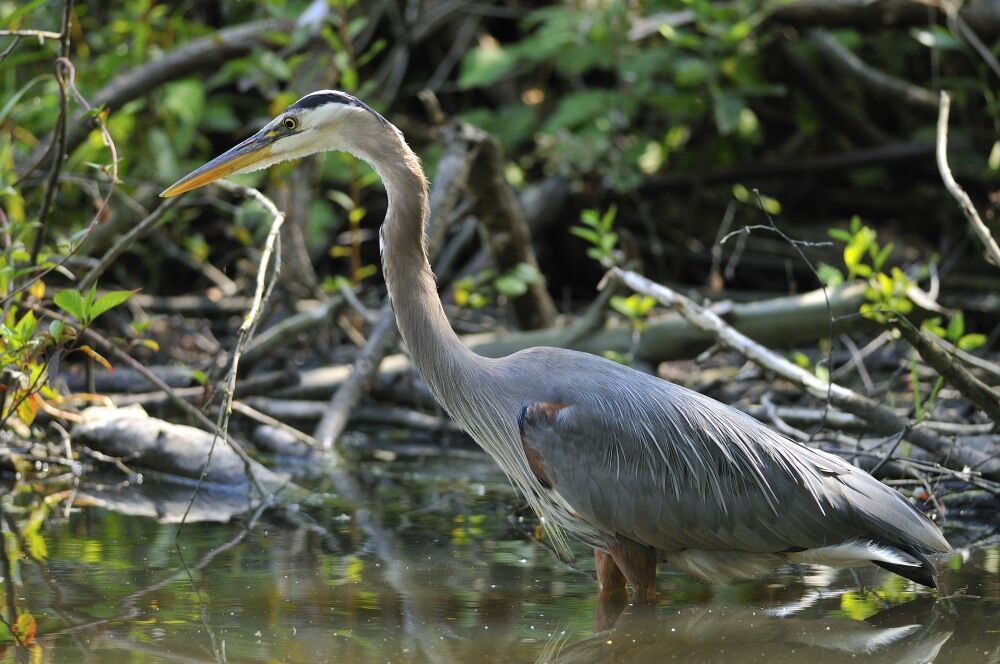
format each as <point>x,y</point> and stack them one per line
<point>438,571</point>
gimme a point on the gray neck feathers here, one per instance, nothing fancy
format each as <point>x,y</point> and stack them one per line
<point>444,362</point>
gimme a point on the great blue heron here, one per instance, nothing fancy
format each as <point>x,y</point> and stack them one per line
<point>643,470</point>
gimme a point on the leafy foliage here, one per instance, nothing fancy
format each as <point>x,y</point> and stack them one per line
<point>639,65</point>
<point>597,231</point>
<point>481,289</point>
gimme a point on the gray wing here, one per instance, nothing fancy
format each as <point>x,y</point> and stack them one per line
<point>673,469</point>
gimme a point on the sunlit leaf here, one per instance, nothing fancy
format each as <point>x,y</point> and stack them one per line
<point>511,286</point>
<point>70,301</point>
<point>956,327</point>
<point>108,301</point>
<point>726,109</point>
<point>25,628</point>
<point>27,409</point>
<point>486,64</point>
<point>36,546</point>
<point>971,341</point>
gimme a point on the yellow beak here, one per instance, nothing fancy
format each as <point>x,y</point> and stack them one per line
<point>246,154</point>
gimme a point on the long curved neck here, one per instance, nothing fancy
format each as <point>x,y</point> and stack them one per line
<point>439,355</point>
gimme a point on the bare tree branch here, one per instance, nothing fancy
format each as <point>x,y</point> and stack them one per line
<point>882,419</point>
<point>956,191</point>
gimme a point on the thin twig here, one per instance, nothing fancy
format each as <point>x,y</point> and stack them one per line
<point>70,83</point>
<point>979,393</point>
<point>956,191</point>
<point>42,35</point>
<point>874,80</point>
<point>126,241</point>
<point>59,142</point>
<point>264,418</point>
<point>381,339</point>
<point>351,298</point>
<point>962,29</point>
<point>281,332</point>
<point>247,328</point>
<point>107,346</point>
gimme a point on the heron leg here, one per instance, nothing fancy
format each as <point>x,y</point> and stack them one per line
<point>609,577</point>
<point>637,562</point>
<point>612,595</point>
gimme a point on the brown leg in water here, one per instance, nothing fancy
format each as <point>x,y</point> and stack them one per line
<point>611,595</point>
<point>637,563</point>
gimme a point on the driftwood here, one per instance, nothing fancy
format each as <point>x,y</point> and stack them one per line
<point>982,395</point>
<point>783,321</point>
<point>337,413</point>
<point>192,305</point>
<point>174,450</point>
<point>260,383</point>
<point>956,191</point>
<point>166,501</point>
<point>506,231</point>
<point>299,409</point>
<point>129,380</point>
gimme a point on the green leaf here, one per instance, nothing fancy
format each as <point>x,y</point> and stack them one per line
<point>829,275</point>
<point>971,341</point>
<point>938,37</point>
<point>70,301</point>
<point>585,233</point>
<point>590,217</point>
<point>933,325</point>
<point>510,286</point>
<point>726,109</point>
<point>36,546</point>
<point>485,65</point>
<point>26,327</point>
<point>690,71</point>
<point>578,108</point>
<point>956,327</point>
<point>16,97</point>
<point>879,260</point>
<point>109,300</point>
<point>525,272</point>
<point>839,234</point>
<point>23,10</point>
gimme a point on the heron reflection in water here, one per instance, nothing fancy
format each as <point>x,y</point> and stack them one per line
<point>909,633</point>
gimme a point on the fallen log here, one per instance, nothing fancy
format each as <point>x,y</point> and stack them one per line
<point>175,451</point>
<point>781,322</point>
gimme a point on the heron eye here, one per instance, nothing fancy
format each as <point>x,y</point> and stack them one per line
<point>290,123</point>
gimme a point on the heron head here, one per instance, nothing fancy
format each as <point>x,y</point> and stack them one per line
<point>320,121</point>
